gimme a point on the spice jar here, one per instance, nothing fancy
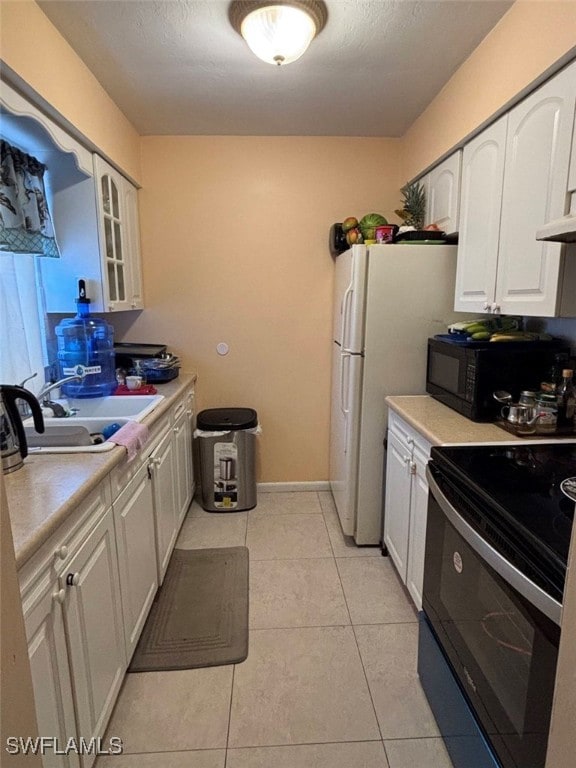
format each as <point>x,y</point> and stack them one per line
<point>547,408</point>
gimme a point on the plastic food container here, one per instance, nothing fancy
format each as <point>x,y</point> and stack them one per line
<point>547,407</point>
<point>385,233</point>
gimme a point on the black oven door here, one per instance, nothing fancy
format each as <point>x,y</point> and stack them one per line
<point>498,630</point>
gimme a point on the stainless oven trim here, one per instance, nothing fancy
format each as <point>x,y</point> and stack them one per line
<point>535,595</point>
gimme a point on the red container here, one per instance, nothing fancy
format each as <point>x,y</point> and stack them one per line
<point>385,233</point>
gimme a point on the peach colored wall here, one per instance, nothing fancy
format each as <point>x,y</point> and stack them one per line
<point>529,39</point>
<point>235,249</point>
<point>32,47</point>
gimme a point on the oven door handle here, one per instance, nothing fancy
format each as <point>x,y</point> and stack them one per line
<point>535,595</point>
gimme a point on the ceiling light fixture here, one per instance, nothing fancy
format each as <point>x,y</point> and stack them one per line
<point>278,32</point>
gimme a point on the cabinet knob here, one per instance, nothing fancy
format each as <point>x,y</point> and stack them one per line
<point>73,579</point>
<point>189,412</point>
<point>486,306</point>
<point>176,429</point>
<point>59,596</point>
<point>61,553</point>
<point>410,441</point>
<point>407,459</point>
<point>496,309</point>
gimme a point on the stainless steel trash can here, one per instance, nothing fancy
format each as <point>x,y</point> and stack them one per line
<point>227,441</point>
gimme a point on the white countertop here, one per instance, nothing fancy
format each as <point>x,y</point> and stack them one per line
<point>43,492</point>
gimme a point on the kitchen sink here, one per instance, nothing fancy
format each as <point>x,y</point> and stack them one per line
<point>82,431</point>
<point>71,433</point>
<point>134,407</point>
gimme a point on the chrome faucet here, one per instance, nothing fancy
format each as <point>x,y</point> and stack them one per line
<point>58,410</point>
<point>42,395</point>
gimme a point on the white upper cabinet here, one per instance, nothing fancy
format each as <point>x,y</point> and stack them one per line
<point>97,229</point>
<point>515,179</point>
<point>119,238</point>
<point>94,210</point>
<point>535,186</point>
<point>480,209</point>
<point>130,197</point>
<point>442,187</point>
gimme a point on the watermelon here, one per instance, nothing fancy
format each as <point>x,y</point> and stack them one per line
<point>369,223</point>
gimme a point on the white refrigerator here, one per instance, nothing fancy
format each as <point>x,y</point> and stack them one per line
<point>388,300</point>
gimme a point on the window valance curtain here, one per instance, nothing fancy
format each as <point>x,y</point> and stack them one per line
<point>25,223</point>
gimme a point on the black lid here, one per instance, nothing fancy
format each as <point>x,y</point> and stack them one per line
<point>219,419</point>
<point>135,349</point>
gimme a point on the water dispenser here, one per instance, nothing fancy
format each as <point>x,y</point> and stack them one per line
<point>86,348</point>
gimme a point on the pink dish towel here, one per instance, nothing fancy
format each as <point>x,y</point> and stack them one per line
<point>133,436</point>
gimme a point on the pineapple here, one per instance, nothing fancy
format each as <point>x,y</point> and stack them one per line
<point>414,209</point>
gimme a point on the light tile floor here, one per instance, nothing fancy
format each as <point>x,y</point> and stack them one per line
<point>330,680</point>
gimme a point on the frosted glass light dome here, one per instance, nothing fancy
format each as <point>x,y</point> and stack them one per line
<point>278,34</point>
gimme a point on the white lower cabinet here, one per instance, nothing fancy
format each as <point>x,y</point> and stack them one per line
<point>183,431</point>
<point>189,443</point>
<point>87,592</point>
<point>71,603</point>
<point>171,467</point>
<point>397,505</point>
<point>418,515</point>
<point>48,654</point>
<point>93,619</point>
<point>406,503</point>
<point>163,471</point>
<point>136,545</point>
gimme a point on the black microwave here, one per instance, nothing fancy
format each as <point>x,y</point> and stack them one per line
<point>464,375</point>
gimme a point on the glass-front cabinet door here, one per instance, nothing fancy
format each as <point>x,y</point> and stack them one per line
<point>113,226</point>
<point>116,220</point>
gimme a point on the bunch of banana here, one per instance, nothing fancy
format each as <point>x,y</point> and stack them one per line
<point>520,336</point>
<point>483,328</point>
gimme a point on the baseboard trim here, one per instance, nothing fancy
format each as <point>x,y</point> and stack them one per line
<point>315,485</point>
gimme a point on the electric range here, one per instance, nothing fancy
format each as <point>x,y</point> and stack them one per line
<point>497,542</point>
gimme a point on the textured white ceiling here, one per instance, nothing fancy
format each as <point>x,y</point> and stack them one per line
<point>177,66</point>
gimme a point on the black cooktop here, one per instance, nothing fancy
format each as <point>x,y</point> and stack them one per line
<point>521,486</point>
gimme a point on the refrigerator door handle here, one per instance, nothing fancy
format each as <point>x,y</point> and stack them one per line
<point>345,394</point>
<point>346,303</point>
<point>344,381</point>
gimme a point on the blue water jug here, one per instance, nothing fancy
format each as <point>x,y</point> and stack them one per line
<point>86,348</point>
